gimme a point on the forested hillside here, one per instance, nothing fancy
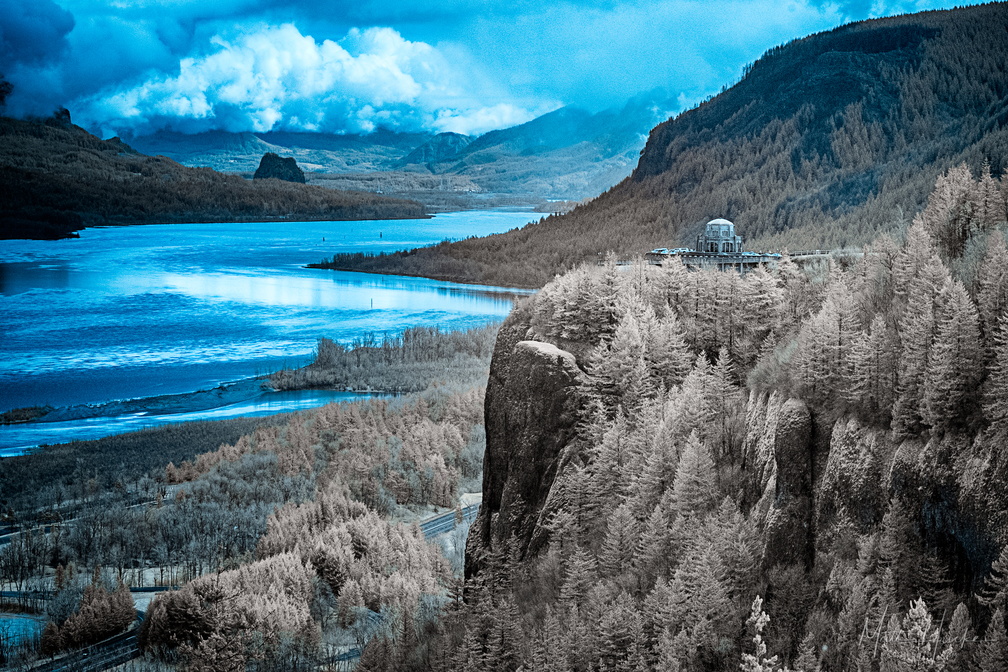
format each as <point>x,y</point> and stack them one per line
<point>56,178</point>
<point>811,459</point>
<point>825,142</point>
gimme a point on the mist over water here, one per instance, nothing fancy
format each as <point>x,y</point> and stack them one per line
<point>127,312</point>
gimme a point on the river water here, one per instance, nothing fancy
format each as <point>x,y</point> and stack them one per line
<point>140,311</point>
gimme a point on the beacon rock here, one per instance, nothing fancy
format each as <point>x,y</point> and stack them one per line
<point>274,166</point>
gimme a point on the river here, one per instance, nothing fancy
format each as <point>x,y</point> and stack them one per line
<point>142,311</point>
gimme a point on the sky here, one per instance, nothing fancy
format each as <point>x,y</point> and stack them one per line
<point>132,67</point>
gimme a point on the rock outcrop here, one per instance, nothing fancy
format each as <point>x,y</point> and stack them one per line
<point>779,448</point>
<point>281,168</point>
<point>530,417</point>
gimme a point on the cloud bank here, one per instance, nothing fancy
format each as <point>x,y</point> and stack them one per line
<point>275,77</point>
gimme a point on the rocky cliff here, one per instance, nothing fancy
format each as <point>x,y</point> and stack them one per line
<point>530,416</point>
<point>809,476</point>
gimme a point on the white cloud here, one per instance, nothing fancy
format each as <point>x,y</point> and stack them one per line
<point>275,77</point>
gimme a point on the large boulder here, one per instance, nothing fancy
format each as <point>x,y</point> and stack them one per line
<point>280,168</point>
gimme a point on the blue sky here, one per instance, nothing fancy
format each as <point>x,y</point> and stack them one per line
<point>136,66</point>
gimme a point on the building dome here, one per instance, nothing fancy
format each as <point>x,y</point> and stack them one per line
<point>719,238</point>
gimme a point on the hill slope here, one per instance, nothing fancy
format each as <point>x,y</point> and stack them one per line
<point>826,141</point>
<point>56,178</point>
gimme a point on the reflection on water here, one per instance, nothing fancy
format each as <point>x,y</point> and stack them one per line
<point>138,311</point>
<point>17,628</point>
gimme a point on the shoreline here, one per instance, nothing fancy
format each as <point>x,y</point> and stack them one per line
<point>221,396</point>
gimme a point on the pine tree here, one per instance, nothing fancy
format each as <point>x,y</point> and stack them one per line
<point>807,659</point>
<point>992,288</point>
<point>994,594</point>
<point>580,577</point>
<point>917,330</point>
<point>949,214</point>
<point>825,345</point>
<point>758,620</point>
<point>723,403</point>
<point>914,645</point>
<point>620,542</point>
<point>987,202</point>
<point>873,375</point>
<point>667,356</point>
<point>995,397</point>
<point>992,654</point>
<point>961,640</point>
<point>954,364</point>
<point>693,488</point>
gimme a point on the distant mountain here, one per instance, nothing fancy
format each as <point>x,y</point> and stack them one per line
<point>56,178</point>
<point>318,152</point>
<point>569,153</point>
<point>442,147</point>
<point>826,141</point>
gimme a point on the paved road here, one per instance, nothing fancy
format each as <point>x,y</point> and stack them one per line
<point>446,521</point>
<point>113,651</point>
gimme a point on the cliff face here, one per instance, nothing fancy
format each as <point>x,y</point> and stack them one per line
<point>809,477</point>
<point>530,415</point>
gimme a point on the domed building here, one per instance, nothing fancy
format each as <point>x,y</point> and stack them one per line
<point>719,238</point>
<point>718,247</point>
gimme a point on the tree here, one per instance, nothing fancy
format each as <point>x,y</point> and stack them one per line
<point>992,288</point>
<point>953,369</point>
<point>917,330</point>
<point>693,488</point>
<point>949,215</point>
<point>961,639</point>
<point>994,594</point>
<point>992,654</point>
<point>914,645</point>
<point>873,370</point>
<point>995,398</point>
<point>581,575</point>
<point>825,345</point>
<point>758,620</point>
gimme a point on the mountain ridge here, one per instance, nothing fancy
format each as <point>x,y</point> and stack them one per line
<point>825,142</point>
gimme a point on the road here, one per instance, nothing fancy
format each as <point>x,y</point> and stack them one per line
<point>432,527</point>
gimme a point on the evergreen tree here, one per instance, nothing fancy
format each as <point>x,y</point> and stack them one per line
<point>987,202</point>
<point>580,577</point>
<point>992,288</point>
<point>873,375</point>
<point>693,488</point>
<point>954,364</point>
<point>666,354</point>
<point>961,640</point>
<point>994,594</point>
<point>992,654</point>
<point>917,329</point>
<point>995,398</point>
<point>620,542</point>
<point>914,645</point>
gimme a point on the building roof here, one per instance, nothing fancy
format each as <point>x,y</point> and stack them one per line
<point>719,221</point>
